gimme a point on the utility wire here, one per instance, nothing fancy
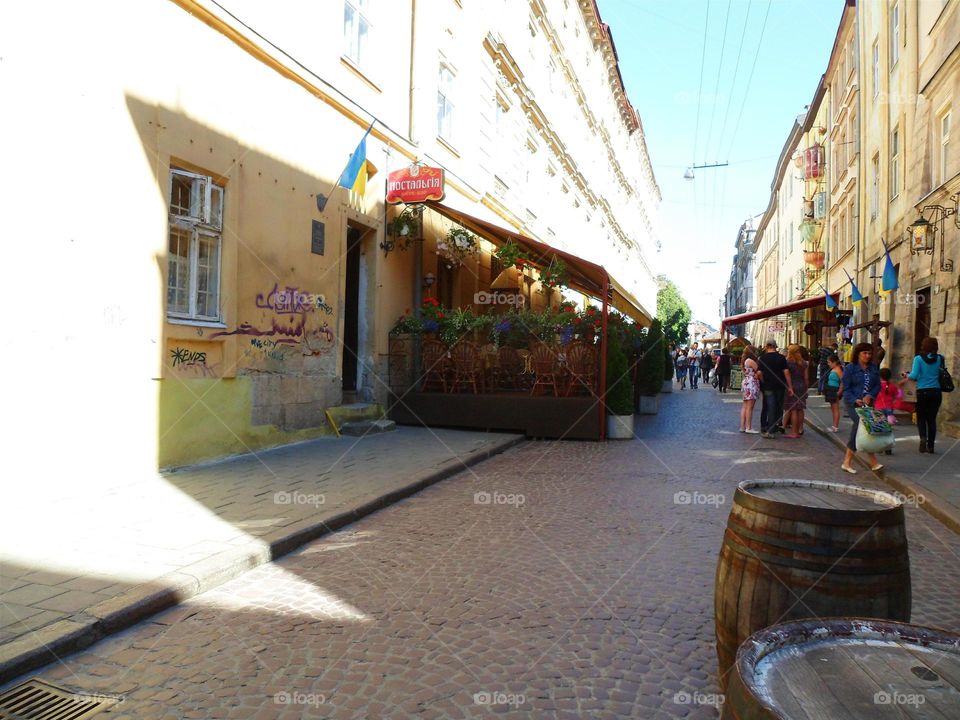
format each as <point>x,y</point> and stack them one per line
<point>746,95</point>
<point>716,87</point>
<point>703,61</point>
<point>736,69</point>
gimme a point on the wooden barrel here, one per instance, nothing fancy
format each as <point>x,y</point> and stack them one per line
<point>797,549</point>
<point>845,669</point>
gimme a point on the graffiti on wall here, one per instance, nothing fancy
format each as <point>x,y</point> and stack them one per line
<point>194,360</point>
<point>292,300</point>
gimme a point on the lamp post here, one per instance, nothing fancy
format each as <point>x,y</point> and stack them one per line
<point>689,175</point>
<point>922,232</point>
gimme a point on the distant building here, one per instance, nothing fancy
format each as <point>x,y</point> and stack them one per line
<point>698,330</point>
<point>739,296</point>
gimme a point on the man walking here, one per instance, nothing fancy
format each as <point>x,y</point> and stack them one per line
<point>693,365</point>
<point>775,383</point>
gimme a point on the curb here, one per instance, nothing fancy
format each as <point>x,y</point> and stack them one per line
<point>40,647</point>
<point>936,506</point>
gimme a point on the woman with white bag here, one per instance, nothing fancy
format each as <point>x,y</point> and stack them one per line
<point>860,385</point>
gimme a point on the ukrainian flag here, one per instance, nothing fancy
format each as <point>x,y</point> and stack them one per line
<point>856,297</point>
<point>889,281</point>
<point>831,303</point>
<point>354,175</point>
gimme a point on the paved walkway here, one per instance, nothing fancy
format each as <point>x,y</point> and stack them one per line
<point>936,476</point>
<point>555,580</point>
<point>77,564</point>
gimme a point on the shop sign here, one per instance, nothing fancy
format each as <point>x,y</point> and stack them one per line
<point>415,184</point>
<point>777,326</point>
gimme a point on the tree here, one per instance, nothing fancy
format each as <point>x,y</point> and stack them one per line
<point>673,312</point>
<point>651,361</point>
<point>619,397</point>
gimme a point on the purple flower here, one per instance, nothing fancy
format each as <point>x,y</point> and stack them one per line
<point>431,325</point>
<point>502,326</point>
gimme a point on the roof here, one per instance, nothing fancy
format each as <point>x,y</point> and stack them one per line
<point>775,310</point>
<point>585,276</point>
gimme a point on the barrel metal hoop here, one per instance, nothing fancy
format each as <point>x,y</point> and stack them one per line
<point>893,568</point>
<point>741,531</point>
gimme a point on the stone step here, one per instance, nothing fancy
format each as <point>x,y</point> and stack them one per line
<point>354,412</point>
<point>367,427</point>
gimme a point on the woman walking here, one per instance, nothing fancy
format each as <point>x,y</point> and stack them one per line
<point>796,404</point>
<point>831,389</point>
<point>723,371</point>
<point>750,387</point>
<point>860,385</point>
<point>926,371</point>
<point>680,364</point>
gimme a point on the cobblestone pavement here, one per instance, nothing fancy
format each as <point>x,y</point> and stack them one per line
<point>557,580</point>
<point>939,472</point>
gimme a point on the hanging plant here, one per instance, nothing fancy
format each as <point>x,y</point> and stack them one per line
<point>459,244</point>
<point>405,228</point>
<point>511,254</point>
<point>555,274</point>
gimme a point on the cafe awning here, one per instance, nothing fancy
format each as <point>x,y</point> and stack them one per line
<point>784,309</point>
<point>585,277</point>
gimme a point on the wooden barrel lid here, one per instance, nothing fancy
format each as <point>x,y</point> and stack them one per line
<point>852,668</point>
<point>817,500</point>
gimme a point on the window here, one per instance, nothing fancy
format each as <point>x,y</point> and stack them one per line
<point>944,148</point>
<point>851,152</point>
<point>852,231</point>
<point>894,34</point>
<point>874,187</point>
<point>193,253</point>
<point>876,68</point>
<point>841,234</point>
<point>445,103</point>
<point>895,162</point>
<point>356,30</point>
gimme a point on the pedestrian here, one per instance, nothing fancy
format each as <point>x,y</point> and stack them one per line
<point>796,404</point>
<point>775,385</point>
<point>890,394</point>
<point>823,367</point>
<point>693,364</point>
<point>831,389</point>
<point>926,371</point>
<point>723,370</point>
<point>680,364</point>
<point>706,364</point>
<point>749,387</point>
<point>860,386</point>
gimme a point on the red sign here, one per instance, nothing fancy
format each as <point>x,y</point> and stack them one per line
<point>414,184</point>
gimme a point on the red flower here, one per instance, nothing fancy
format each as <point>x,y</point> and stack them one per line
<point>439,316</point>
<point>591,311</point>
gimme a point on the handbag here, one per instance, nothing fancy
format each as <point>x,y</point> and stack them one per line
<point>946,382</point>
<point>874,433</point>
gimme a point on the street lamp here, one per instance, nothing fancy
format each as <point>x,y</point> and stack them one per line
<point>922,232</point>
<point>688,173</point>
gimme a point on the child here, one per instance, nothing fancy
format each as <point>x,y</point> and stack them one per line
<point>890,394</point>
<point>832,391</point>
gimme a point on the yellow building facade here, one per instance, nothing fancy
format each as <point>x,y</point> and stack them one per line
<point>219,292</point>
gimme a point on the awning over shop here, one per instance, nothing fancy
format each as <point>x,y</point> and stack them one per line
<point>789,307</point>
<point>585,277</point>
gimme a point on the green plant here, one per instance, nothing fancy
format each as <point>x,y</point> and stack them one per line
<point>667,363</point>
<point>405,228</point>
<point>407,323</point>
<point>511,254</point>
<point>673,312</point>
<point>555,274</point>
<point>619,395</point>
<point>651,372</point>
<point>459,244</point>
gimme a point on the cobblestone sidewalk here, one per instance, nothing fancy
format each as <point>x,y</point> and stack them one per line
<point>77,564</point>
<point>556,580</point>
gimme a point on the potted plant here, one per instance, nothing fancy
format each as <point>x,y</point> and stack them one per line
<point>405,226</point>
<point>619,395</point>
<point>511,254</point>
<point>651,372</point>
<point>554,275</point>
<point>459,244</point>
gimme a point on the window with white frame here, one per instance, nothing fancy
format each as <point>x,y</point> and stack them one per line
<point>943,147</point>
<point>875,64</point>
<point>874,187</point>
<point>852,225</point>
<point>193,252</point>
<point>445,102</point>
<point>894,35</point>
<point>851,150</point>
<point>841,233</point>
<point>895,162</point>
<point>356,30</point>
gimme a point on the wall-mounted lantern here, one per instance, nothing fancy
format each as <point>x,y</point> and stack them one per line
<point>922,232</point>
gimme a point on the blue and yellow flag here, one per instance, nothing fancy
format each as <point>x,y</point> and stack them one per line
<point>831,303</point>
<point>354,175</point>
<point>889,281</point>
<point>856,297</point>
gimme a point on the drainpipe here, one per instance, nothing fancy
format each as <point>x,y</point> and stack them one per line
<point>413,45</point>
<point>603,355</point>
<point>861,187</point>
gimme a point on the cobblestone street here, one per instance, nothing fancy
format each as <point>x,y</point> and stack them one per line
<point>557,580</point>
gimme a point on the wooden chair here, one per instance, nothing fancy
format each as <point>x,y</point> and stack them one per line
<point>510,366</point>
<point>546,367</point>
<point>434,365</point>
<point>467,365</point>
<point>581,369</point>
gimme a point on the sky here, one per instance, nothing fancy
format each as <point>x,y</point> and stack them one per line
<point>761,63</point>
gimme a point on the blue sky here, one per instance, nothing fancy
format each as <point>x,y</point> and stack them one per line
<point>662,45</point>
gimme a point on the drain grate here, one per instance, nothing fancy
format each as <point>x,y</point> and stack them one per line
<point>37,700</point>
